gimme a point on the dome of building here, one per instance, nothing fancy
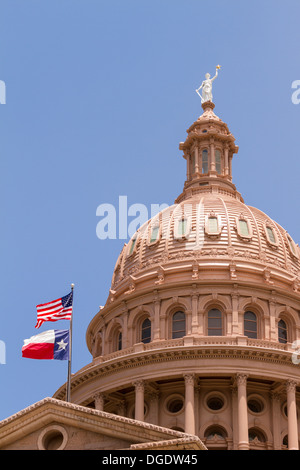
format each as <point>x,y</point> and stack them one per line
<point>198,330</point>
<point>209,225</point>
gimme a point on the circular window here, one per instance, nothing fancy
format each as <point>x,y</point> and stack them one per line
<point>53,438</point>
<point>175,404</point>
<point>256,404</point>
<point>215,401</point>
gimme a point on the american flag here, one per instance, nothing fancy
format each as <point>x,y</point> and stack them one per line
<point>59,309</point>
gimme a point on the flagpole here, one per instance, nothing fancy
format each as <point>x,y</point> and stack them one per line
<point>70,350</point>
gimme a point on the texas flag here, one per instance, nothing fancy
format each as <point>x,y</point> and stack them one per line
<point>51,344</point>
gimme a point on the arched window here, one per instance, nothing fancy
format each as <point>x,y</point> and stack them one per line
<point>215,432</point>
<point>250,325</point>
<point>119,345</point>
<point>282,331</point>
<point>178,325</point>
<point>214,323</point>
<point>256,437</point>
<point>146,331</point>
<point>218,162</point>
<point>119,341</point>
<point>204,161</point>
<point>216,438</point>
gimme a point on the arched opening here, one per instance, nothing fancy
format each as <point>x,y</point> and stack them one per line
<point>215,438</point>
<point>214,323</point>
<point>146,331</point>
<point>204,161</point>
<point>282,331</point>
<point>178,325</point>
<point>257,439</point>
<point>250,325</point>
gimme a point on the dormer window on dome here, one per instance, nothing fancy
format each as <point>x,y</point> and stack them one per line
<point>213,226</point>
<point>270,235</point>
<point>292,246</point>
<point>244,228</point>
<point>132,245</point>
<point>182,228</point>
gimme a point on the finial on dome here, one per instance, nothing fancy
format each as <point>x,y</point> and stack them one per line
<point>206,86</point>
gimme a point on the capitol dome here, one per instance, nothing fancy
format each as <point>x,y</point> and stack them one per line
<point>198,330</point>
<point>209,225</point>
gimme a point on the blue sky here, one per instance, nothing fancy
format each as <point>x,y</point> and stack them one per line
<point>98,96</point>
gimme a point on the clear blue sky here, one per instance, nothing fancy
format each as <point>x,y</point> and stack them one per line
<point>98,96</point>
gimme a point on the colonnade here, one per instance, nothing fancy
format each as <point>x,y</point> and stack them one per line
<point>240,384</point>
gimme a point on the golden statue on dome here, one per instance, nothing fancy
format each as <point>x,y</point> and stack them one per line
<point>206,86</point>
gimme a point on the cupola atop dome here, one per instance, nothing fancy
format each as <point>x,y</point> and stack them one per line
<point>208,150</point>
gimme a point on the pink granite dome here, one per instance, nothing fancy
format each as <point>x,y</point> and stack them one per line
<point>209,227</point>
<point>220,232</point>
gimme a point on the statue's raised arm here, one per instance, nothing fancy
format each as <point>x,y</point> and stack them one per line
<point>217,68</point>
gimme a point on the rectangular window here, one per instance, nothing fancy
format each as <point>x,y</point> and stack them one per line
<point>154,234</point>
<point>291,245</point>
<point>271,235</point>
<point>244,229</point>
<point>182,225</point>
<point>215,323</point>
<point>204,161</point>
<point>133,242</point>
<point>213,225</point>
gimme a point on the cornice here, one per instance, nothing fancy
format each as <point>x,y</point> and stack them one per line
<point>213,352</point>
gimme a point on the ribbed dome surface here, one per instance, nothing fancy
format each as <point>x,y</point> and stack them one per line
<point>218,229</point>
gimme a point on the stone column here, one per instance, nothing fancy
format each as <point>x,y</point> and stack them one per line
<point>188,165</point>
<point>156,324</point>
<point>194,314</point>
<point>292,415</point>
<point>243,439</point>
<point>235,313</point>
<point>212,156</point>
<point>139,400</point>
<point>196,159</point>
<point>226,160</point>
<point>189,416</point>
<point>99,401</point>
<point>235,424</point>
<point>273,325</point>
<point>275,400</point>
<point>122,408</point>
<point>154,408</point>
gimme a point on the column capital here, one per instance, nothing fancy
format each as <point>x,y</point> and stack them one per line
<point>291,385</point>
<point>241,379</point>
<point>139,384</point>
<point>98,396</point>
<point>189,378</point>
